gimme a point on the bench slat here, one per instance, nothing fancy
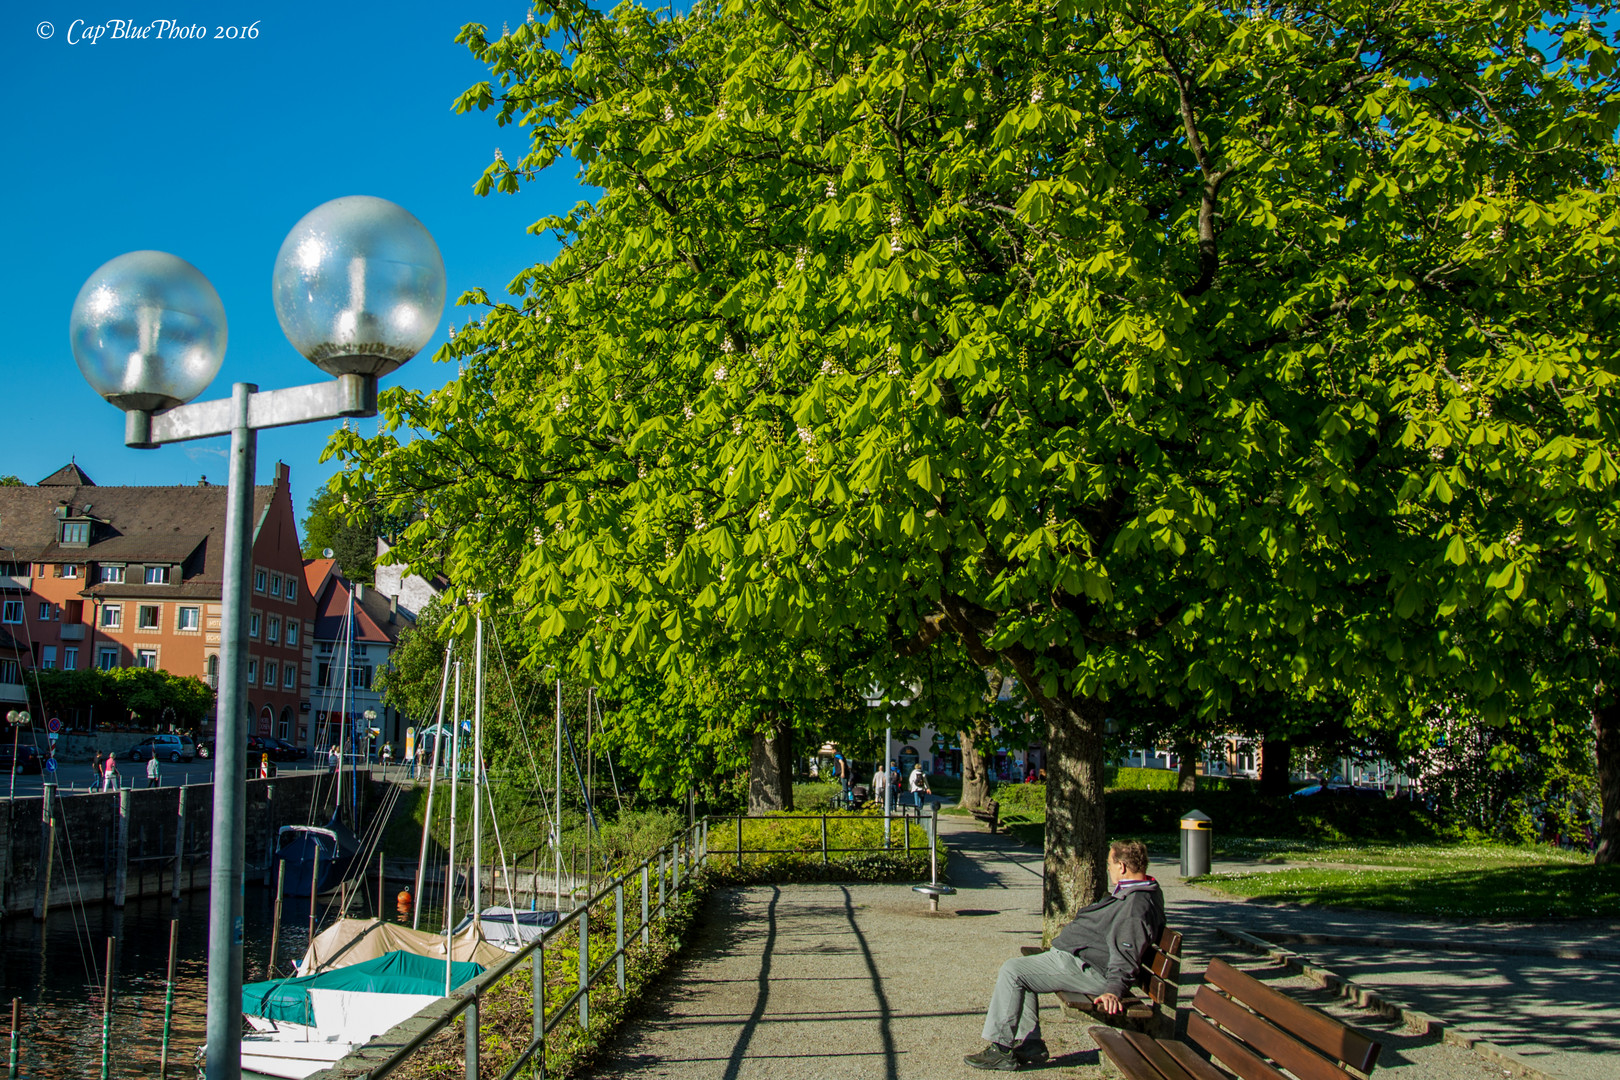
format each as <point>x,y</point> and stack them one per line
<point>1260,1034</point>
<point>1228,1051</point>
<point>1155,1053</point>
<point>1188,1059</point>
<point>1129,1060</point>
<point>1303,1022</point>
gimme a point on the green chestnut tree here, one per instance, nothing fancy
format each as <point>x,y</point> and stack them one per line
<point>1097,337</point>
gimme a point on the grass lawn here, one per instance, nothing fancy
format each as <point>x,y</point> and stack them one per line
<point>1515,888</point>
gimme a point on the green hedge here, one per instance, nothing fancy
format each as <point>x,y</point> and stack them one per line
<point>1242,813</point>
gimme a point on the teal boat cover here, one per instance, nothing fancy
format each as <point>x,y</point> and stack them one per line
<point>396,972</point>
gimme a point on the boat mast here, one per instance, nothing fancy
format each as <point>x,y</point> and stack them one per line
<point>478,779</point>
<point>433,781</point>
<point>450,867</point>
<point>556,844</point>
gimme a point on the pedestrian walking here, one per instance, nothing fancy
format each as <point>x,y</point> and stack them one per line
<point>917,784</point>
<point>387,754</point>
<point>332,757</point>
<point>154,772</point>
<point>109,774</point>
<point>410,763</point>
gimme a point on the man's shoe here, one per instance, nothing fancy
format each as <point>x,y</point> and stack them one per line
<point>994,1057</point>
<point>1032,1052</point>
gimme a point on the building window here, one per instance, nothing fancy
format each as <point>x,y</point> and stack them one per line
<point>10,672</point>
<point>292,632</point>
<point>258,580</point>
<point>289,677</point>
<point>359,650</point>
<point>213,671</point>
<point>275,584</point>
<point>157,575</point>
<point>13,611</point>
<point>146,658</point>
<point>292,588</point>
<point>113,574</point>
<point>70,658</point>
<point>107,658</point>
<point>360,677</point>
<point>76,532</point>
<point>284,730</point>
<point>190,618</point>
<point>274,630</point>
<point>112,616</point>
<point>326,648</point>
<point>253,625</point>
<point>45,611</point>
<point>323,675</point>
<point>269,673</point>
<point>70,570</point>
<point>149,617</point>
<point>47,658</point>
<point>253,671</point>
<point>73,611</point>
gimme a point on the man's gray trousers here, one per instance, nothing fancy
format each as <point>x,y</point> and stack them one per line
<point>1014,1015</point>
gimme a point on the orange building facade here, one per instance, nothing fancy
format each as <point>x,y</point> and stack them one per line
<point>131,576</point>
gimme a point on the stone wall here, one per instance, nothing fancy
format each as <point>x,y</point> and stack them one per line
<point>88,851</point>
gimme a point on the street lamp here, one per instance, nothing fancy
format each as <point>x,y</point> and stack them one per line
<point>370,716</point>
<point>358,287</point>
<point>18,719</point>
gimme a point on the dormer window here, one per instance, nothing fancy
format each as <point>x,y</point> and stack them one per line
<point>157,575</point>
<point>75,533</point>
<point>112,575</point>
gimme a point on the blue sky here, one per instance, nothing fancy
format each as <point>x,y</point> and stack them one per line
<point>212,150</point>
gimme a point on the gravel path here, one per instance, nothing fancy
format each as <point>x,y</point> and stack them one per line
<point>828,982</point>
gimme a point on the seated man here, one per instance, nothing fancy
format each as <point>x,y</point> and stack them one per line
<point>1098,954</point>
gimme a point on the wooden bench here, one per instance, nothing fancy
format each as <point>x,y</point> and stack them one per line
<point>1251,1029</point>
<point>1156,980</point>
<point>991,817</point>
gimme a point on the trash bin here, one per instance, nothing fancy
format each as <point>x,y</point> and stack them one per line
<point>1195,844</point>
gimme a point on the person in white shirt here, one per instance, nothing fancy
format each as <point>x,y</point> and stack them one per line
<point>917,784</point>
<point>154,772</point>
<point>880,786</point>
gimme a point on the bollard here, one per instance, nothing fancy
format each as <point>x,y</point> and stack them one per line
<point>179,844</point>
<point>469,1020</point>
<point>1195,844</point>
<point>121,851</point>
<point>584,968</point>
<point>42,900</point>
<point>537,970</point>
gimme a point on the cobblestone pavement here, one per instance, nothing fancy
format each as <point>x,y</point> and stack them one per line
<point>827,982</point>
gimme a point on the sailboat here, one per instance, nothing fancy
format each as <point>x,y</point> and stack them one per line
<point>359,978</point>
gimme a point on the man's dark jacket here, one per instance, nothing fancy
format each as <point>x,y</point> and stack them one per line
<point>1113,934</point>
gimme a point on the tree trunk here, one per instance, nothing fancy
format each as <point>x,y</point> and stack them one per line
<point>1187,775</point>
<point>1606,718</point>
<point>1076,832</point>
<point>770,764</point>
<point>975,781</point>
<point>1276,756</point>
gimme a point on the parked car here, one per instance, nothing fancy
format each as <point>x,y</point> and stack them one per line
<point>164,748</point>
<point>282,750</point>
<point>27,761</point>
<point>1337,791</point>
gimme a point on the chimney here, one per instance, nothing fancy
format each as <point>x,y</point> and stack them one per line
<point>393,608</point>
<point>359,591</point>
<point>282,473</point>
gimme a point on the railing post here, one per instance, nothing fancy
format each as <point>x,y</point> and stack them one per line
<point>662,874</point>
<point>540,1003</point>
<point>646,892</point>
<point>470,1020</point>
<point>739,841</point>
<point>675,868</point>
<point>824,838</point>
<point>618,927</point>
<point>584,967</point>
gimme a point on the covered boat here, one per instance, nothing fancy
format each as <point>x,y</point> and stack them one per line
<point>509,929</point>
<point>298,845</point>
<point>302,1025</point>
<point>354,941</point>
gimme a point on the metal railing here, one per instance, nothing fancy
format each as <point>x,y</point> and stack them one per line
<point>674,863</point>
<point>906,816</point>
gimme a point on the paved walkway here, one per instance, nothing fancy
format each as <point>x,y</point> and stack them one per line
<point>827,982</point>
<point>1548,992</point>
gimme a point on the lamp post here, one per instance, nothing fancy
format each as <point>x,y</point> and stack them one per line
<point>358,287</point>
<point>370,716</point>
<point>18,719</point>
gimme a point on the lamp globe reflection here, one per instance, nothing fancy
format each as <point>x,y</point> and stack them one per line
<point>148,331</point>
<point>358,286</point>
